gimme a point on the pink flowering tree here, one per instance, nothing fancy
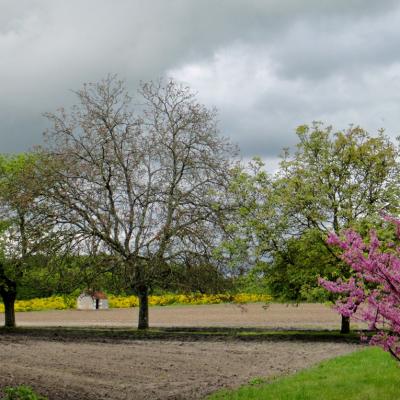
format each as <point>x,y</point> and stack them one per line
<point>373,291</point>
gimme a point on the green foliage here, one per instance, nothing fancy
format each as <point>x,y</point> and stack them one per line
<point>254,222</point>
<point>336,179</point>
<point>254,281</point>
<point>21,393</point>
<point>364,375</point>
<point>195,277</point>
<point>24,231</point>
<point>293,273</point>
<point>73,274</point>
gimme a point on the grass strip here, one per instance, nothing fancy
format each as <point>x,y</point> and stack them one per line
<point>369,374</point>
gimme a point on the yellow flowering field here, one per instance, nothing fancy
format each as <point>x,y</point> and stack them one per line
<point>48,303</point>
<point>63,303</point>
<point>191,299</point>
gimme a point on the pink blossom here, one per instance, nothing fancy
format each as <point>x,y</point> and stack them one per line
<point>373,291</point>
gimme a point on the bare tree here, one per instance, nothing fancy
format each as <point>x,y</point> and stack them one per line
<point>148,185</point>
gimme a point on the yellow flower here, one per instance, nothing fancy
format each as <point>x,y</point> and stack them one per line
<point>62,303</point>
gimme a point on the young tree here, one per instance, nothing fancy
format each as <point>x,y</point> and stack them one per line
<point>25,231</point>
<point>148,186</point>
<point>374,288</point>
<point>337,179</point>
<point>255,226</point>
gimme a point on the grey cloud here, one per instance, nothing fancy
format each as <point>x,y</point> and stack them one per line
<point>338,46</point>
<point>48,47</point>
<point>262,136</point>
<point>260,109</point>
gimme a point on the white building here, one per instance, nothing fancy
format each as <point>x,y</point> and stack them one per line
<point>92,301</point>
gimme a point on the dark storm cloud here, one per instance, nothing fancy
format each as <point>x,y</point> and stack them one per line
<point>267,65</point>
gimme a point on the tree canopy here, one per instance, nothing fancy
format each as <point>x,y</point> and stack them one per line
<point>146,186</point>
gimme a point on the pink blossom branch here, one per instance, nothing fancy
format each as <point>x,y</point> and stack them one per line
<point>374,284</point>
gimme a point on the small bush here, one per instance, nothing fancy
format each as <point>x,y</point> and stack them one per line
<point>21,393</point>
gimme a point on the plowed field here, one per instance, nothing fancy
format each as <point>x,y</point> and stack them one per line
<point>154,369</point>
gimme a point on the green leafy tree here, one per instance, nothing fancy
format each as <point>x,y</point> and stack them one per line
<point>25,232</point>
<point>279,225</point>
<point>336,180</point>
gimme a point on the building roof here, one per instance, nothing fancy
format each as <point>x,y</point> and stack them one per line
<point>97,294</point>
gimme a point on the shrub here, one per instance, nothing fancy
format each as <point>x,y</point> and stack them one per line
<point>22,393</point>
<point>373,290</point>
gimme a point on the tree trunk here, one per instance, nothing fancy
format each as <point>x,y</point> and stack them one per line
<point>143,295</point>
<point>9,294</point>
<point>345,328</point>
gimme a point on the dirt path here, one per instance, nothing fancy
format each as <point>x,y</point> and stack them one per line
<point>150,369</point>
<point>227,315</point>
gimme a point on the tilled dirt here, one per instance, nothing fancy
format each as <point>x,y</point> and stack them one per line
<point>108,368</point>
<point>303,316</point>
<point>152,369</point>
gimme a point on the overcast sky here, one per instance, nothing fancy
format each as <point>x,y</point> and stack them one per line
<point>268,65</point>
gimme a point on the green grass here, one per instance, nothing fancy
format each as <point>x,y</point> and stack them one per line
<point>369,374</point>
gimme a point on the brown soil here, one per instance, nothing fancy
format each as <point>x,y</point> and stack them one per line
<point>154,369</point>
<point>150,369</point>
<point>304,316</point>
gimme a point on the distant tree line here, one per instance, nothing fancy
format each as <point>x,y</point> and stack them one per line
<point>151,197</point>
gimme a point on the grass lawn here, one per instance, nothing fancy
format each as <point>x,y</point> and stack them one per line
<point>369,374</point>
